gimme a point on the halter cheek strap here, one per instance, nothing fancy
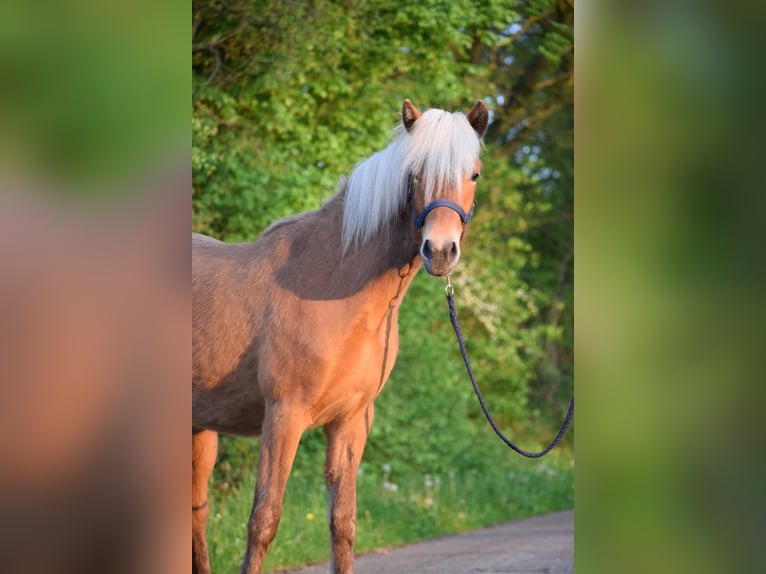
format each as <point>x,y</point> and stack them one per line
<point>421,219</point>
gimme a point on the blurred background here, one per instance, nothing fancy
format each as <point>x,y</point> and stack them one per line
<point>287,97</point>
<point>94,286</point>
<point>670,312</point>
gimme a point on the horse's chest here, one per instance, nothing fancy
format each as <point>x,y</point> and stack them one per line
<point>355,373</point>
<point>365,358</point>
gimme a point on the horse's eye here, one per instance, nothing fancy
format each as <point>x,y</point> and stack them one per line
<point>474,177</point>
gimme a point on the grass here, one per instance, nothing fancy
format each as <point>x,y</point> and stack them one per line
<point>394,506</point>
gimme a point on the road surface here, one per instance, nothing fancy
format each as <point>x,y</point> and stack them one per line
<point>539,545</point>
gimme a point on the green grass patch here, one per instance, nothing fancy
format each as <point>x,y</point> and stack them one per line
<point>396,504</point>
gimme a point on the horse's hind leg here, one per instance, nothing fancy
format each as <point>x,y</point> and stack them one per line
<point>282,430</point>
<point>204,450</point>
<point>345,444</point>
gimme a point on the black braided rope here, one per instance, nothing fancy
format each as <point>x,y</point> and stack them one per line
<point>498,432</point>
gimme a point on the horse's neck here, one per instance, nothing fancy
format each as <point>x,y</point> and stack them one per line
<point>384,266</point>
<point>307,260</point>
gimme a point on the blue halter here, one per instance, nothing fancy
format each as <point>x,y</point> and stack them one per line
<point>421,219</point>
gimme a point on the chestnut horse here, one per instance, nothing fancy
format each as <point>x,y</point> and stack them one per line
<point>299,328</point>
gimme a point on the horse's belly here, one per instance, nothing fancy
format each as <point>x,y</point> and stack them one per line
<point>221,410</point>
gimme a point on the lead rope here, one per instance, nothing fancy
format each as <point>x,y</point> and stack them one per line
<point>450,291</point>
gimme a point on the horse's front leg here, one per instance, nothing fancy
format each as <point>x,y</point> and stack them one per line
<point>345,444</point>
<point>282,430</point>
<point>204,450</point>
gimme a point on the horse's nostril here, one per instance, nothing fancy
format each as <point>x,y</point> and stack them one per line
<point>426,249</point>
<point>454,253</point>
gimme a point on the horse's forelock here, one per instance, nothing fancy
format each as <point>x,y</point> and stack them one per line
<point>442,150</point>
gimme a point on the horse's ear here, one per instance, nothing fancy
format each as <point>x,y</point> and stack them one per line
<point>409,114</point>
<point>478,117</point>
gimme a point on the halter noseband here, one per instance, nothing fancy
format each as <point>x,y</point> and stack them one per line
<point>421,219</point>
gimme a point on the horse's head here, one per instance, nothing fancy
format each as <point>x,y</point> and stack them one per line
<point>442,187</point>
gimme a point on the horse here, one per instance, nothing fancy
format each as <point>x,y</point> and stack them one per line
<point>299,329</point>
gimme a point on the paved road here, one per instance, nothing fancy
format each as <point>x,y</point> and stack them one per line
<point>540,545</point>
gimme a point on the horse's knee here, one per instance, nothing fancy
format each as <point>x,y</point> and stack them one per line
<point>342,535</point>
<point>199,519</point>
<point>343,528</point>
<point>262,527</point>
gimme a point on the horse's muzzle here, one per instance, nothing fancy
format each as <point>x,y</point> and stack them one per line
<point>440,260</point>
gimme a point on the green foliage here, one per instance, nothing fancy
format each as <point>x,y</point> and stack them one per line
<point>91,97</point>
